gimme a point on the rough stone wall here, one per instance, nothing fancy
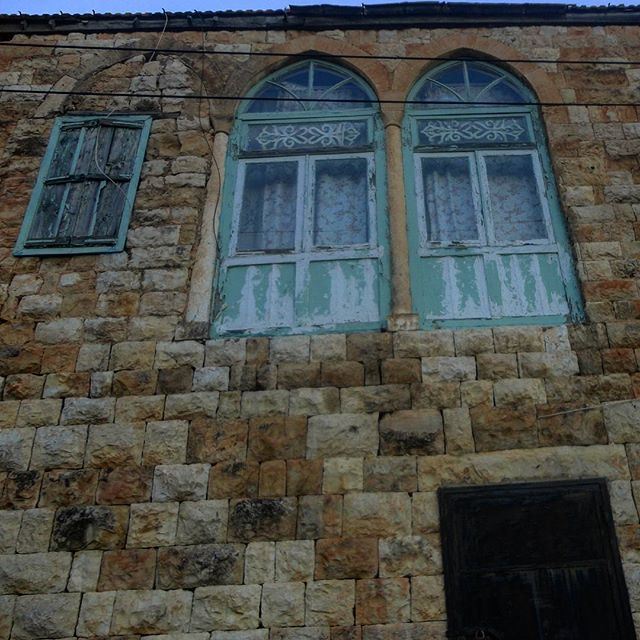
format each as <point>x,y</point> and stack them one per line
<point>152,484</point>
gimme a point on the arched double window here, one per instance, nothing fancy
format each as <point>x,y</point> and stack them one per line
<point>303,230</point>
<point>488,243</point>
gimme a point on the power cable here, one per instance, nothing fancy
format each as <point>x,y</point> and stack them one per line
<point>364,101</point>
<point>348,56</point>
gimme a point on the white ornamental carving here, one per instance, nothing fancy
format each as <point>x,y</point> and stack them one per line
<point>290,136</point>
<point>494,130</point>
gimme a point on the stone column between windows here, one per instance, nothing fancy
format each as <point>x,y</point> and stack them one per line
<point>198,315</point>
<point>401,317</point>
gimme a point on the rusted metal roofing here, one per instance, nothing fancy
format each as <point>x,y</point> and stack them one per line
<point>329,16</point>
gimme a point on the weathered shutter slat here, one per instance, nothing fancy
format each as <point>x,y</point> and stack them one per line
<point>44,226</point>
<point>122,154</point>
<point>109,209</point>
<point>62,160</point>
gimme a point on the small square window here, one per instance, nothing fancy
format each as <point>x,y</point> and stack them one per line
<point>84,193</point>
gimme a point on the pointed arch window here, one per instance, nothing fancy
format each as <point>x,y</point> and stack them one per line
<point>303,229</point>
<point>489,243</point>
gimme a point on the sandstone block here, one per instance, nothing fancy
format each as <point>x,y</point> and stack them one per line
<point>377,514</point>
<point>139,382</point>
<point>127,569</point>
<point>35,531</point>
<point>178,482</point>
<point>46,616</point>
<point>7,605</point>
<point>273,479</point>
<point>88,410</point>
<point>470,342</point>
<point>262,519</point>
<point>548,365</point>
<point>289,349</point>
<point>497,428</point>
<point>85,571</point>
<point>475,392</point>
<point>294,561</point>
<point>22,386</point>
<point>311,402</point>
<point>425,512</point>
<point>436,394</point>
<point>344,558</point>
<point>457,431</point>
<point>427,598</point>
<point>265,403</point>
<point>259,562</point>
<point>223,440</point>
<point>328,347</point>
<point>411,433</point>
<point>330,602</point>
<point>410,555</point>
<point>95,614</point>
<point>153,525</point>
<point>423,344</point>
<point>234,480</point>
<point>293,375</point>
<point>165,442</point>
<point>200,565</point>
<point>622,503</point>
<point>64,385</point>
<point>304,477</point>
<point>388,397</point>
<point>38,413</point>
<point>283,604</point>
<point>622,421</point>
<point>226,607</point>
<point>9,529</point>
<point>381,601</point>
<point>15,448</point>
<point>61,447</point>
<point>21,489</point>
<point>319,517</point>
<point>448,368</point>
<point>401,371</point>
<point>177,380</point>
<point>211,379</point>
<point>77,528</point>
<point>519,391</point>
<point>132,355</point>
<point>341,475</point>
<point>93,357</point>
<point>191,405</point>
<point>131,612</point>
<point>224,353</point>
<point>202,522</point>
<point>555,427</point>
<point>114,445</point>
<point>389,474</point>
<point>177,354</point>
<point>34,572</point>
<point>341,374</point>
<point>277,437</point>
<point>139,408</point>
<point>9,413</point>
<point>342,434</point>
<point>101,382</point>
<point>496,366</point>
<point>57,331</point>
<point>124,485</point>
<point>517,339</point>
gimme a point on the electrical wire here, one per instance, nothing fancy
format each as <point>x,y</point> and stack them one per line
<point>346,56</point>
<point>363,101</point>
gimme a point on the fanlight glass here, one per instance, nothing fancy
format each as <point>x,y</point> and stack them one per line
<point>462,83</point>
<point>312,86</point>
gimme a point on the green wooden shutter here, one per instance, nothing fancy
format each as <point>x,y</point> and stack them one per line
<point>85,190</point>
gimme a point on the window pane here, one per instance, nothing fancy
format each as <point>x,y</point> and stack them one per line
<point>448,199</point>
<point>515,201</point>
<point>268,213</point>
<point>341,202</point>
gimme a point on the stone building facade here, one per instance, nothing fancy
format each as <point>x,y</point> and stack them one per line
<point>155,481</point>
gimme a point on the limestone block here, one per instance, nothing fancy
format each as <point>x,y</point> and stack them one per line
<point>124,485</point>
<point>328,347</point>
<point>470,342</point>
<point>401,371</point>
<point>93,357</point>
<point>289,349</point>
<point>191,405</point>
<point>15,448</point>
<point>34,572</point>
<point>277,437</point>
<point>387,473</point>
<point>226,607</point>
<point>294,561</point>
<point>24,284</point>
<point>88,410</point>
<point>64,385</point>
<point>22,386</point>
<point>59,447</point>
<point>457,430</point>
<point>311,402</point>
<point>40,307</point>
<point>200,565</point>
<point>344,558</point>
<point>436,394</point>
<point>510,427</point>
<point>165,279</point>
<point>265,403</point>
<point>475,392</point>
<point>107,281</point>
<point>342,434</point>
<point>427,598</point>
<point>223,440</point>
<point>387,397</point>
<point>377,514</point>
<point>448,368</point>
<point>224,353</point>
<point>381,601</point>
<point>259,562</point>
<point>9,413</point>
<point>273,479</point>
<point>148,612</point>
<point>79,528</point>
<point>177,354</point>
<point>410,555</point>
<point>178,482</point>
<point>114,445</point>
<point>330,602</point>
<point>517,339</point>
<point>9,529</point>
<point>517,391</point>
<point>496,366</point>
<point>341,374</point>
<point>57,331</point>
<point>153,525</point>
<point>132,355</point>
<point>7,604</point>
<point>165,442</point>
<point>139,408</point>
<point>320,517</point>
<point>95,614</point>
<point>262,519</point>
<point>411,432</point>
<point>293,375</point>
<point>623,506</point>
<point>622,421</point>
<point>38,413</point>
<point>342,475</point>
<point>46,616</point>
<point>211,379</point>
<point>35,531</point>
<point>127,569</point>
<point>283,604</point>
<point>304,477</point>
<point>21,489</point>
<point>423,344</point>
<point>424,512</point>
<point>369,346</point>
<point>101,382</point>
<point>559,425</point>
<point>607,461</point>
<point>234,480</point>
<point>202,522</point>
<point>85,571</point>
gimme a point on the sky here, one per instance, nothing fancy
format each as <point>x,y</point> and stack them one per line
<point>123,6</point>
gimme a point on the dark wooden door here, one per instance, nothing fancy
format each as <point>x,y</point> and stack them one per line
<point>533,561</point>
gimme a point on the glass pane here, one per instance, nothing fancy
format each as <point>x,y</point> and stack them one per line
<point>268,213</point>
<point>442,132</point>
<point>310,135</point>
<point>273,103</point>
<point>453,78</point>
<point>479,78</point>
<point>448,199</point>
<point>515,201</point>
<point>503,92</point>
<point>341,202</point>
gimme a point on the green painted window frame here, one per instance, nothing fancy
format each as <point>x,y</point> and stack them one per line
<point>377,247</point>
<point>420,247</point>
<point>22,247</point>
